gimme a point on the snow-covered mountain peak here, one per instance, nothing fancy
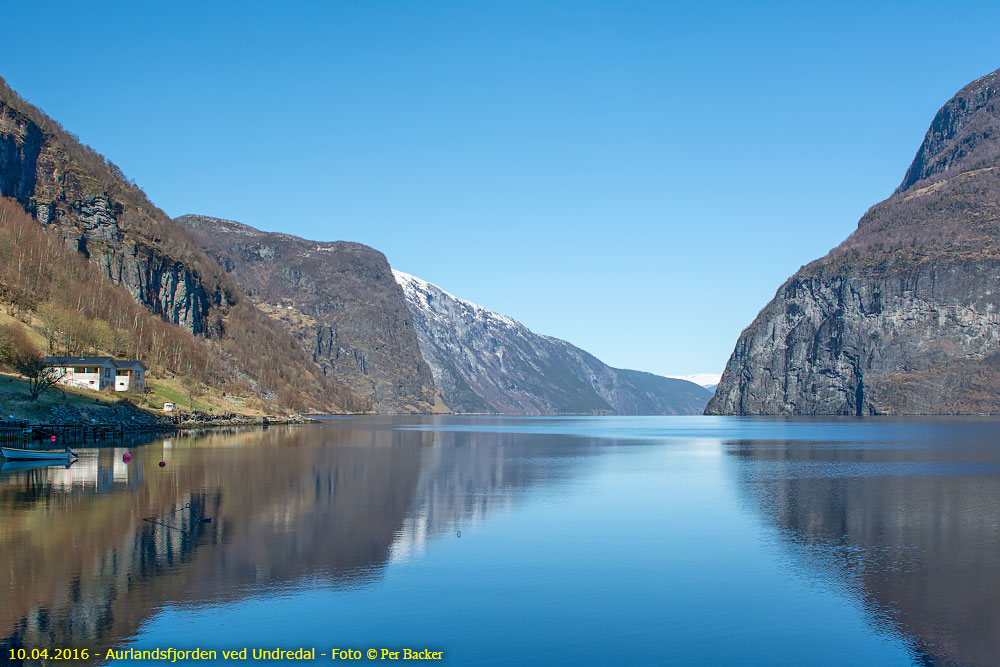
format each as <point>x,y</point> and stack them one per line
<point>484,362</point>
<point>429,297</point>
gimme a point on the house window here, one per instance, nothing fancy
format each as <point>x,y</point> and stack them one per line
<point>80,369</point>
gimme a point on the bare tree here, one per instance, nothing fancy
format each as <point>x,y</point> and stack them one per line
<point>21,355</point>
<point>193,389</point>
<point>40,377</point>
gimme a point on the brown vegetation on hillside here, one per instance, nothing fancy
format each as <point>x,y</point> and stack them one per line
<point>82,307</point>
<point>948,205</point>
<point>957,219</point>
<point>20,355</point>
<point>82,312</point>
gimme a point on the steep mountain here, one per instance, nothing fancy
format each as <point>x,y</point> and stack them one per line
<point>489,363</point>
<point>902,317</point>
<point>86,201</point>
<point>338,299</point>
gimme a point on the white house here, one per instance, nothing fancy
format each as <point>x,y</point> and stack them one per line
<point>99,373</point>
<point>130,375</point>
<point>95,373</point>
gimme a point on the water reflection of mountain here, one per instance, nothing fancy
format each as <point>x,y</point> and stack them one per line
<point>469,476</point>
<point>911,532</point>
<point>84,567</point>
<point>329,505</point>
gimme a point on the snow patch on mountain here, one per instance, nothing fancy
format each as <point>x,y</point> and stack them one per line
<point>484,362</point>
<point>429,295</point>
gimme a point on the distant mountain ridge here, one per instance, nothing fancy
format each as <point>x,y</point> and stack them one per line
<point>484,362</point>
<point>904,316</point>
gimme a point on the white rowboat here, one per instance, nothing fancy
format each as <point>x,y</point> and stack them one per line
<point>12,454</point>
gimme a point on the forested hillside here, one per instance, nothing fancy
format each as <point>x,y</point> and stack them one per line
<point>90,211</point>
<point>78,311</point>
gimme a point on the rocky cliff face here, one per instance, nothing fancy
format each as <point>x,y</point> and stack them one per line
<point>902,318</point>
<point>338,299</point>
<point>88,203</point>
<point>484,362</point>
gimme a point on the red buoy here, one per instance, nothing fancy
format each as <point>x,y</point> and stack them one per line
<point>163,464</point>
<point>126,457</point>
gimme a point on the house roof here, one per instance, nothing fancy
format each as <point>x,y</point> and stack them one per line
<point>77,361</point>
<point>130,364</point>
<point>133,364</point>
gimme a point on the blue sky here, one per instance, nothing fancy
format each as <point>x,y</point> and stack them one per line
<point>635,177</point>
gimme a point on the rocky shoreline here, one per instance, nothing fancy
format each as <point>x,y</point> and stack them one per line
<point>129,417</point>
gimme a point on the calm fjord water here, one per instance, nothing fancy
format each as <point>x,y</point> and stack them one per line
<point>522,541</point>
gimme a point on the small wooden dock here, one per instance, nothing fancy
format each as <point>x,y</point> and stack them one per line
<point>14,432</point>
<point>91,432</point>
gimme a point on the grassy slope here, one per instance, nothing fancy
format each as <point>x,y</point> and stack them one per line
<point>14,399</point>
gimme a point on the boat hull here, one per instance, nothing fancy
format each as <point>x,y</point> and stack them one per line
<point>16,466</point>
<point>13,454</point>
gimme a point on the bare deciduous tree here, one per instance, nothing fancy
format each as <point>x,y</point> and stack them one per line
<point>20,354</point>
